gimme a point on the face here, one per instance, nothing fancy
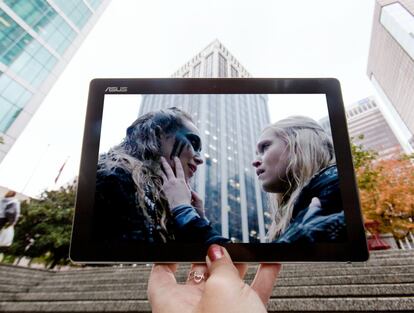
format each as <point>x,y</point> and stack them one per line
<point>271,162</point>
<point>186,145</point>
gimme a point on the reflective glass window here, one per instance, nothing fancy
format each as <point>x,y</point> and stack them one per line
<point>13,92</point>
<point>23,99</point>
<point>45,21</point>
<point>95,3</point>
<point>5,107</point>
<point>8,114</point>
<point>4,81</point>
<point>13,39</point>
<point>75,10</point>
<point>34,64</point>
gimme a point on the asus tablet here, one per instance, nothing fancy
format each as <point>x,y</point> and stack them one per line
<point>261,166</point>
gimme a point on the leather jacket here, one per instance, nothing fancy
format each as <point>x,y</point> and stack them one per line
<point>117,215</point>
<point>318,224</point>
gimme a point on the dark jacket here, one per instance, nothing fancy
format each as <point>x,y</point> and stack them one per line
<point>118,217</point>
<point>324,224</point>
<point>308,225</point>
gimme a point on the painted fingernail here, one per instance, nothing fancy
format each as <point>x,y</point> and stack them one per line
<point>215,252</point>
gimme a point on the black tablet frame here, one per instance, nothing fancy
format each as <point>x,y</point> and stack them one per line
<point>84,250</point>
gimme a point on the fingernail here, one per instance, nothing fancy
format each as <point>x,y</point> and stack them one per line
<point>215,252</point>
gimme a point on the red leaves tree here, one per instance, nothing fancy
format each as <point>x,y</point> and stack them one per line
<point>386,191</point>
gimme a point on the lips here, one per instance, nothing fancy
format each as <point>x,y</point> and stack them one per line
<point>259,171</point>
<point>192,168</point>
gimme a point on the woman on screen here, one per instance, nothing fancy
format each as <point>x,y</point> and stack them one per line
<point>296,166</point>
<point>130,203</point>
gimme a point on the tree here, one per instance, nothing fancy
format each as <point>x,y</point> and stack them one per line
<point>44,228</point>
<point>386,190</point>
<point>364,161</point>
<point>391,201</point>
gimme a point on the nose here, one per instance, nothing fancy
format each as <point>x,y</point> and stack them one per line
<point>256,163</point>
<point>198,159</point>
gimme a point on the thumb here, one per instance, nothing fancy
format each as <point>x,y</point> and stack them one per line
<point>195,196</point>
<point>220,265</point>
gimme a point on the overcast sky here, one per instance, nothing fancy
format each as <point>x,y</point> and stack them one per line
<point>274,38</point>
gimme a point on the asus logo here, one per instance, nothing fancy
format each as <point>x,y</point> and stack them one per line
<point>116,89</point>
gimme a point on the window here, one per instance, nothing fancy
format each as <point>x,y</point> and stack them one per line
<point>234,72</point>
<point>12,39</point>
<point>8,114</point>
<point>209,65</point>
<point>222,66</point>
<point>45,21</point>
<point>196,70</point>
<point>75,10</point>
<point>400,24</point>
<point>95,3</point>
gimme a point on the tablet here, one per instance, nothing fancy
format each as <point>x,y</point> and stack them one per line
<point>261,166</point>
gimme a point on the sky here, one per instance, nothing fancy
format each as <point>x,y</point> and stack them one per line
<point>138,39</point>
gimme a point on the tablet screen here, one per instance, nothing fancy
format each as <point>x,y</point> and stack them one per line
<point>259,169</point>
<point>229,126</point>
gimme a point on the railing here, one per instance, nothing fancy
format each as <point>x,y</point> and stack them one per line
<point>407,243</point>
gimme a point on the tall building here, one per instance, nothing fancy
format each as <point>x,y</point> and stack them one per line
<point>368,127</point>
<point>213,61</point>
<point>391,64</point>
<point>229,126</point>
<point>37,40</point>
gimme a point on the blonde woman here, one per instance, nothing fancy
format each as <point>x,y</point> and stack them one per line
<point>296,166</point>
<point>130,199</point>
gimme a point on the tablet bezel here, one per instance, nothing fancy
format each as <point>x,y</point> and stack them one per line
<point>84,250</point>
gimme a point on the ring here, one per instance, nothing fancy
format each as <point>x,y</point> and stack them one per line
<point>197,276</point>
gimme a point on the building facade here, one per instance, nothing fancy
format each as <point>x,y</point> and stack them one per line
<point>37,40</point>
<point>368,127</point>
<point>391,65</point>
<point>229,126</point>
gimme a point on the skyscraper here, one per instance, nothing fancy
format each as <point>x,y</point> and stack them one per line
<point>391,64</point>
<point>229,126</point>
<point>37,40</point>
<point>365,118</point>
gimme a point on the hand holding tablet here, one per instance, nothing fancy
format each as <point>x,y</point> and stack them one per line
<point>222,291</point>
<point>262,166</point>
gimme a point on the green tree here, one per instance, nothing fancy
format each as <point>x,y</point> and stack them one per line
<point>44,228</point>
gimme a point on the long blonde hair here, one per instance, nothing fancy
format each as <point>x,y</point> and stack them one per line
<point>310,149</point>
<point>139,154</point>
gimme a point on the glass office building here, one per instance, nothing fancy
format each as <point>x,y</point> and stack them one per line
<point>368,127</point>
<point>37,40</point>
<point>229,126</point>
<point>391,65</point>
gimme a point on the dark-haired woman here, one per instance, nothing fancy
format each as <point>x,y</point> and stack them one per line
<point>130,203</point>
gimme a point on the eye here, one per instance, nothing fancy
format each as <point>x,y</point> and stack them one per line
<point>263,147</point>
<point>195,142</point>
